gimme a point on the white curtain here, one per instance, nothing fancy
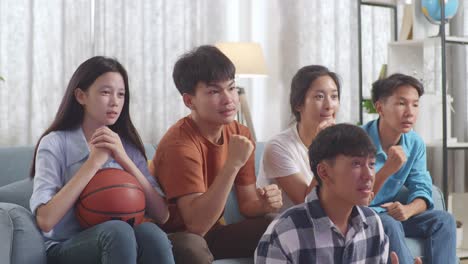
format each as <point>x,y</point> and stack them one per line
<point>40,45</point>
<point>43,42</point>
<point>147,37</point>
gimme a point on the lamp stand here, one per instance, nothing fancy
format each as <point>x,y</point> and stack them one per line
<point>244,112</point>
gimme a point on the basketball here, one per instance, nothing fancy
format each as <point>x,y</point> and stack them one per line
<point>112,194</point>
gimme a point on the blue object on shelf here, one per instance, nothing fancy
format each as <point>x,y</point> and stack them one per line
<point>431,9</point>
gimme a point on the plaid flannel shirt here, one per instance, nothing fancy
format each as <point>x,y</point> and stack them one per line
<point>304,234</point>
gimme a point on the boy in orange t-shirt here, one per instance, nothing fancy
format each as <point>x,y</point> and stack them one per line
<point>202,156</point>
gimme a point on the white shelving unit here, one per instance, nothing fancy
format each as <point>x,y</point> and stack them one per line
<point>457,145</point>
<point>456,206</point>
<point>456,40</point>
<point>418,58</point>
<point>379,2</point>
<point>462,253</point>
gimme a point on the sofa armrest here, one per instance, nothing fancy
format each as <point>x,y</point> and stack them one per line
<point>22,241</point>
<point>437,197</point>
<point>17,193</point>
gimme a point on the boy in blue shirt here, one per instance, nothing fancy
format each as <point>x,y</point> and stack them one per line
<point>401,161</point>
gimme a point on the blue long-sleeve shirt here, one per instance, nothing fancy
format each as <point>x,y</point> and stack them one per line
<point>413,174</point>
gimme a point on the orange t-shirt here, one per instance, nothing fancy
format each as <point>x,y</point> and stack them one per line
<point>186,162</point>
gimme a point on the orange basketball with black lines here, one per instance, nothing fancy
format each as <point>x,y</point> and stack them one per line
<point>112,194</point>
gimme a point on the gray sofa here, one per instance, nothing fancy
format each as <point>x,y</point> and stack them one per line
<point>27,247</point>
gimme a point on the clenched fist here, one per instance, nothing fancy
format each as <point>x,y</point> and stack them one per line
<point>271,198</point>
<point>398,211</point>
<point>324,124</point>
<point>396,157</point>
<point>240,149</point>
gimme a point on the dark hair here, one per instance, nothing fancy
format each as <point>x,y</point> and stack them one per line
<point>203,64</point>
<point>381,89</point>
<point>302,81</point>
<point>341,139</point>
<point>70,113</point>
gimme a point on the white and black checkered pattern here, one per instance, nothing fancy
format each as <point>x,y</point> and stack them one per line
<point>305,234</point>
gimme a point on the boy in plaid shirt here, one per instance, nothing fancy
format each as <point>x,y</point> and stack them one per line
<point>332,226</point>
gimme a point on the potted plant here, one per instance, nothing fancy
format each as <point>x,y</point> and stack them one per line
<point>368,106</point>
<point>369,111</point>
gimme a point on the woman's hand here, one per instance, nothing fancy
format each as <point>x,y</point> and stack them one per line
<point>105,138</point>
<point>324,124</point>
<point>98,156</point>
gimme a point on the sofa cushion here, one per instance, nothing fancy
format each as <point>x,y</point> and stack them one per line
<point>149,151</point>
<point>15,163</point>
<point>17,193</point>
<point>415,245</point>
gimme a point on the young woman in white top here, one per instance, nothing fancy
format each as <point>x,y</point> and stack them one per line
<point>314,100</point>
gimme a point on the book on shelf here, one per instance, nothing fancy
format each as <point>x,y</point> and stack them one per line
<point>406,32</point>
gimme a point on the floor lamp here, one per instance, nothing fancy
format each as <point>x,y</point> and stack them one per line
<point>250,62</point>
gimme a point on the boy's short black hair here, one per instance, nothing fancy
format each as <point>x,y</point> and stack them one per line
<point>341,139</point>
<point>302,81</point>
<point>203,64</point>
<point>384,88</point>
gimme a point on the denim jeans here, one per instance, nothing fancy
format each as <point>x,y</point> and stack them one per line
<point>114,242</point>
<point>21,240</point>
<point>436,227</point>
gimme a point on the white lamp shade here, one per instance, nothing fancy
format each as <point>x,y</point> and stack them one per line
<point>246,56</point>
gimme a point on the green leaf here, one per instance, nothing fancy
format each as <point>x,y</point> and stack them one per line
<point>1,78</point>
<point>369,106</point>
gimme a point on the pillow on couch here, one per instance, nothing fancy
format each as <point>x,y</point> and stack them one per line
<point>17,193</point>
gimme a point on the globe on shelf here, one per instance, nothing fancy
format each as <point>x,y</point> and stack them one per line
<point>431,10</point>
